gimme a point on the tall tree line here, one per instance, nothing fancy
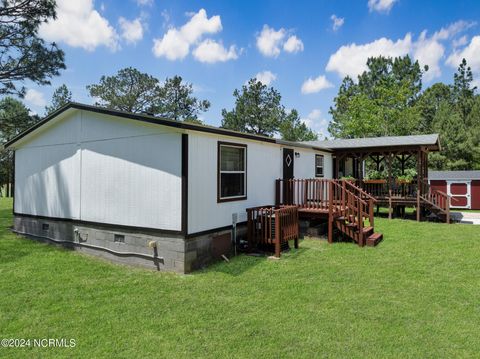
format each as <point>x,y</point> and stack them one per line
<point>388,100</point>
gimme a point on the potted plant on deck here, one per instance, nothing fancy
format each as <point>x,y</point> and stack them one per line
<point>407,177</point>
<point>375,177</point>
<point>348,178</point>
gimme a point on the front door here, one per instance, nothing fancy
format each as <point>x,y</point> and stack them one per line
<point>288,191</point>
<point>288,163</point>
<point>460,192</point>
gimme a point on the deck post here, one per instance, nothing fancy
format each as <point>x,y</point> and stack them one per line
<point>360,223</point>
<point>370,212</point>
<point>330,211</point>
<point>419,183</point>
<point>418,205</point>
<point>389,204</point>
<point>448,209</point>
<point>278,235</point>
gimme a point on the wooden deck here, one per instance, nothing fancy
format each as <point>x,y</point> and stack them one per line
<point>346,207</point>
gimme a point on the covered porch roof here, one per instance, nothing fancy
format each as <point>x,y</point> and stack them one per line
<point>429,142</point>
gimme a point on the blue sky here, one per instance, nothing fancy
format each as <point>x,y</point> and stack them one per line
<point>302,48</point>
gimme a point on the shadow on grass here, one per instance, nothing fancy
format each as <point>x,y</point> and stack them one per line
<point>243,263</point>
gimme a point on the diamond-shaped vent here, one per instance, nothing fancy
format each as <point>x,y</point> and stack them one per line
<point>288,160</point>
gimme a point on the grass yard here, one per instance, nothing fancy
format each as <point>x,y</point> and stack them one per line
<point>416,295</point>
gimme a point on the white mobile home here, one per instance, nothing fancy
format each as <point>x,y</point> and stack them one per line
<point>142,189</point>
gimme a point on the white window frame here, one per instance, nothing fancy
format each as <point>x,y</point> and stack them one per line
<point>220,172</point>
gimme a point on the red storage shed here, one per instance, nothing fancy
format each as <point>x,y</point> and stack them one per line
<point>463,186</point>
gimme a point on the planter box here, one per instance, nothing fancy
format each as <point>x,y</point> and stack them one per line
<point>377,181</point>
<point>403,181</point>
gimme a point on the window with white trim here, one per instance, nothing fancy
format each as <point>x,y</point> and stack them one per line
<point>318,165</point>
<point>232,171</point>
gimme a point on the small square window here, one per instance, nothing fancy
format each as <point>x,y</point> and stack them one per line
<point>119,238</point>
<point>319,165</point>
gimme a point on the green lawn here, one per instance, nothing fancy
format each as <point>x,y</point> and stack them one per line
<point>416,295</point>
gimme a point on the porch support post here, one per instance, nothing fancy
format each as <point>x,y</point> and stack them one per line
<point>419,187</point>
<point>337,164</point>
<point>389,185</point>
<point>330,211</point>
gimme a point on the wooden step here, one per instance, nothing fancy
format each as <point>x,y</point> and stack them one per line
<point>367,231</point>
<point>374,239</point>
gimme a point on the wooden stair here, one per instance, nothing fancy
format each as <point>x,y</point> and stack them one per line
<point>374,239</point>
<point>350,218</point>
<point>351,229</point>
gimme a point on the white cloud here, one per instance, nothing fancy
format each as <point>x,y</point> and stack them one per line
<point>351,59</point>
<point>269,41</point>
<point>381,5</point>
<point>316,85</point>
<point>429,51</point>
<point>471,53</point>
<point>293,44</point>
<point>266,77</point>
<point>337,22</point>
<point>453,29</point>
<point>461,41</point>
<point>78,24</point>
<point>316,123</point>
<point>132,31</point>
<point>176,43</point>
<point>35,98</point>
<point>210,51</point>
<point>144,2</point>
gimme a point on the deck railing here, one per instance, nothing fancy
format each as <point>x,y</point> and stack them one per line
<point>269,225</point>
<point>395,190</point>
<point>318,193</point>
<point>303,193</point>
<point>369,200</point>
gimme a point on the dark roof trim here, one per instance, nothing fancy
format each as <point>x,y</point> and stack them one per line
<point>152,120</point>
<point>302,145</point>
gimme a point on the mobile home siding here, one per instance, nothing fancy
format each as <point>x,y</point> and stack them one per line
<point>264,166</point>
<point>110,171</point>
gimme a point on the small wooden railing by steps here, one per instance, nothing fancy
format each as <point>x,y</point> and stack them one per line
<point>437,201</point>
<point>269,226</point>
<point>355,207</point>
<point>346,205</point>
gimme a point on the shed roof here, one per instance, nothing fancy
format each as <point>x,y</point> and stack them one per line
<point>453,175</point>
<point>386,141</point>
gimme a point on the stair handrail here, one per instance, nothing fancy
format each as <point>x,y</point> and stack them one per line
<point>360,190</point>
<point>371,200</point>
<point>437,198</point>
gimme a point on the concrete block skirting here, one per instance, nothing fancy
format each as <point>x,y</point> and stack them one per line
<point>173,252</point>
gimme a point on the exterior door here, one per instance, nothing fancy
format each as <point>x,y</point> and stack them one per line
<point>460,192</point>
<point>288,156</point>
<point>288,191</point>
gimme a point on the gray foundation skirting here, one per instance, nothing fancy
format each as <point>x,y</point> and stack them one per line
<point>165,252</point>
